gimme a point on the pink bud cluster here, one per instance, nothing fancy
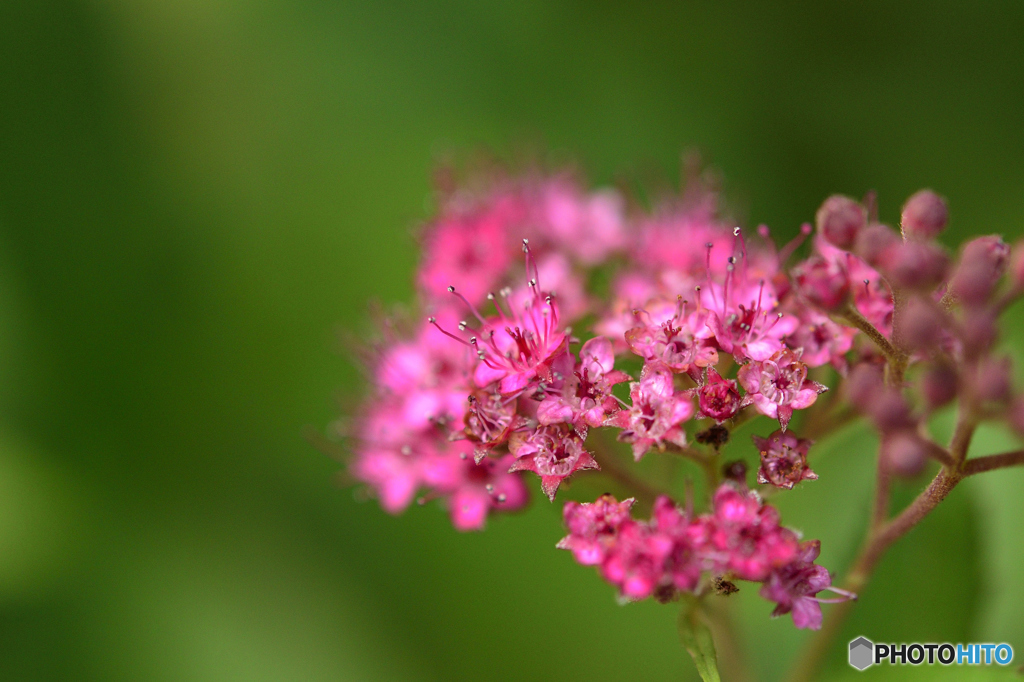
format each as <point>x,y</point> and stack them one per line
<point>494,383</point>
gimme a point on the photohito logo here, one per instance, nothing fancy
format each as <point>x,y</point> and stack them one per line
<point>865,653</point>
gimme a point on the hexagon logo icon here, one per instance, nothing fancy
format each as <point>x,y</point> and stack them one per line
<point>862,653</point>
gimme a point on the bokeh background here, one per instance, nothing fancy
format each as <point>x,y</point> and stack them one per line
<point>197,195</point>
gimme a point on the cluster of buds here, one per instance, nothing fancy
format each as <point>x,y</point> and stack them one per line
<point>716,327</point>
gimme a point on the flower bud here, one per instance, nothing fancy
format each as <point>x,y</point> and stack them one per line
<point>924,215</point>
<point>840,219</point>
<point>919,324</point>
<point>823,282</point>
<point>991,381</point>
<point>890,412</point>
<point>938,386</point>
<point>874,240</point>
<point>718,398</point>
<point>914,265</point>
<point>863,386</point>
<point>981,266</point>
<point>905,453</point>
<point>978,332</point>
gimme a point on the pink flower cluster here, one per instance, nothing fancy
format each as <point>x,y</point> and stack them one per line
<point>740,539</point>
<point>494,383</point>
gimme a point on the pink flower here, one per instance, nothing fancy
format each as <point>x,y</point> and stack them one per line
<point>823,281</point>
<point>491,419</point>
<point>552,452</point>
<point>871,294</point>
<point>656,413</point>
<point>718,397</point>
<point>593,527</point>
<point>783,459</point>
<point>794,586</point>
<point>474,489</point>
<point>820,341</point>
<point>779,385</point>
<point>744,535</point>
<point>685,562</point>
<point>744,321</point>
<point>472,244</point>
<point>582,395</point>
<point>394,476</point>
<point>666,335</point>
<point>636,563</point>
<point>518,349</point>
<point>425,377</point>
<point>588,226</point>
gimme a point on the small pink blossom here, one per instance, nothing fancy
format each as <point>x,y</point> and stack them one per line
<point>394,476</point>
<point>744,536</point>
<point>779,385</point>
<point>516,350</point>
<point>590,226</point>
<point>656,414</point>
<point>794,586</point>
<point>744,320</point>
<point>552,452</point>
<point>718,398</point>
<point>783,459</point>
<point>490,420</point>
<point>581,395</point>
<point>593,527</point>
<point>666,335</point>
<point>824,282</point>
<point>636,564</point>
<point>820,341</point>
<point>471,243</point>
<point>475,489</point>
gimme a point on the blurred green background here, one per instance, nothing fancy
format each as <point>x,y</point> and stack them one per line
<point>196,195</point>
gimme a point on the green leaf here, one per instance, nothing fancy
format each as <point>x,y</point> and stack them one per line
<point>697,639</point>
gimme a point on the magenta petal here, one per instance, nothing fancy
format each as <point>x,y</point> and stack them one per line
<point>516,382</point>
<point>553,411</point>
<point>549,484</point>
<point>468,508</point>
<point>806,614</point>
<point>598,350</point>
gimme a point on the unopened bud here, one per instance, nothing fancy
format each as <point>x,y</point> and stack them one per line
<point>981,266</point>
<point>978,332</point>
<point>874,240</point>
<point>919,324</point>
<point>938,386</point>
<point>991,382</point>
<point>905,453</point>
<point>924,215</point>
<point>719,398</point>
<point>823,282</point>
<point>839,220</point>
<point>863,386</point>
<point>914,265</point>
<point>890,412</point>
